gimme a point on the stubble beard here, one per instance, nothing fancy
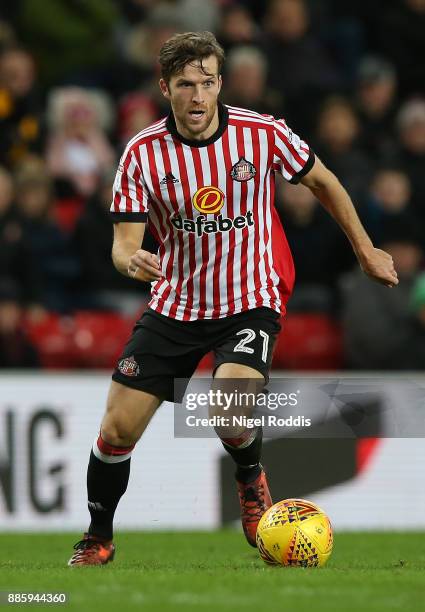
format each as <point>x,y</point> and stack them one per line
<point>195,130</point>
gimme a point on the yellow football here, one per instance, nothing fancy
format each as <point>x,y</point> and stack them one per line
<point>295,532</point>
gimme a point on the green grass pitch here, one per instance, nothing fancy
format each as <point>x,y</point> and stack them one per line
<point>218,572</point>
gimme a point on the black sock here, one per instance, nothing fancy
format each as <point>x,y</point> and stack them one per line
<point>246,453</point>
<point>106,483</point>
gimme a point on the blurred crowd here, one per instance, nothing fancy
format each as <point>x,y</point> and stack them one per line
<point>79,78</point>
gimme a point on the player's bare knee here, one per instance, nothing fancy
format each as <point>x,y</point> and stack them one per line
<point>121,427</point>
<point>118,434</point>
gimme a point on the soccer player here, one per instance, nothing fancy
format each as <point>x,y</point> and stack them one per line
<point>204,180</point>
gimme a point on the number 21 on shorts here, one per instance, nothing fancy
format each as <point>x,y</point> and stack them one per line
<point>249,336</point>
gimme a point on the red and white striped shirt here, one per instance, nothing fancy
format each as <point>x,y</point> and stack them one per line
<point>210,205</point>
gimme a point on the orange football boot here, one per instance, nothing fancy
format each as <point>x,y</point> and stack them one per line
<point>255,499</point>
<point>92,550</point>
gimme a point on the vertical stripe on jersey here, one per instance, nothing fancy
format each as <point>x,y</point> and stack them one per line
<point>155,221</point>
<point>176,195</point>
<point>157,170</point>
<point>243,141</point>
<point>249,255</point>
<point>220,309</point>
<point>135,190</point>
<point>208,245</point>
<point>160,213</point>
<point>202,179</point>
<point>163,167</point>
<point>213,274</point>
<point>238,189</point>
<point>229,305</point>
<point>186,256</point>
<point>195,250</point>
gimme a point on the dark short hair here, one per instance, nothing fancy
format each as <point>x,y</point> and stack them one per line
<point>183,49</point>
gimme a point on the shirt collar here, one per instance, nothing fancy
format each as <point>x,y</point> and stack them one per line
<point>223,118</point>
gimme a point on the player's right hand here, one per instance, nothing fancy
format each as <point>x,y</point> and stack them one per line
<point>144,266</point>
<point>379,266</point>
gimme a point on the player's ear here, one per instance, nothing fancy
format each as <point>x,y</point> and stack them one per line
<point>220,82</point>
<point>164,89</point>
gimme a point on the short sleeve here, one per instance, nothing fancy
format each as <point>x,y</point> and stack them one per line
<point>293,158</point>
<point>130,196</point>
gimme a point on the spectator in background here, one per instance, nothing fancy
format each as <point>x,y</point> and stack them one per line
<point>16,261</point>
<point>189,14</point>
<point>245,83</point>
<point>16,350</point>
<point>377,322</point>
<point>139,48</point>
<point>299,67</point>
<point>195,18</point>
<point>411,156</point>
<point>135,112</point>
<point>400,37</point>
<point>343,26</point>
<point>49,248</point>
<point>367,14</point>
<point>388,200</point>
<point>78,151</point>
<point>237,27</point>
<point>315,242</point>
<point>376,103</point>
<point>20,110</point>
<point>101,286</point>
<point>338,135</point>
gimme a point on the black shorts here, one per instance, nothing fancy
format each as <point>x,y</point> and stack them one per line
<point>161,349</point>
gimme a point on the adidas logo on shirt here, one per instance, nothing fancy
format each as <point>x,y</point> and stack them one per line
<point>169,178</point>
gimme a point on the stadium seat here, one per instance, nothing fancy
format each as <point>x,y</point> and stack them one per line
<point>99,337</point>
<point>52,338</point>
<point>309,342</point>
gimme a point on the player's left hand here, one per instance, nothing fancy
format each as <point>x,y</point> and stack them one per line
<point>144,266</point>
<point>379,266</point>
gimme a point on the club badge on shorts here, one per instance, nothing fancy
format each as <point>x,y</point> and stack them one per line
<point>243,170</point>
<point>129,366</point>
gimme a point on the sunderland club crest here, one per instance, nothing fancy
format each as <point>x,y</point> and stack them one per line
<point>129,366</point>
<point>243,170</point>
